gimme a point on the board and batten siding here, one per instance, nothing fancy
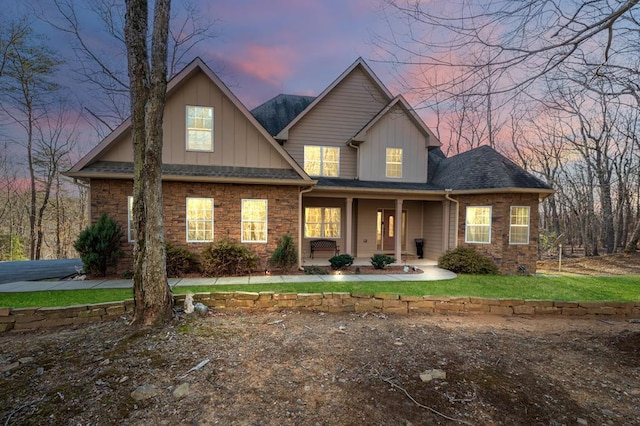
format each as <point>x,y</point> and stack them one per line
<point>394,130</point>
<point>433,212</point>
<point>236,140</point>
<point>337,118</point>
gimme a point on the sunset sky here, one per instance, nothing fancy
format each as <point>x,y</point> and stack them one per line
<point>266,47</point>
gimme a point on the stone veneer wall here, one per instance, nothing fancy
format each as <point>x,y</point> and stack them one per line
<point>507,256</point>
<point>38,318</point>
<point>282,207</point>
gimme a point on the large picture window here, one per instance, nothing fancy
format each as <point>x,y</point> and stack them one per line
<point>199,220</point>
<point>254,221</point>
<point>199,128</point>
<point>322,160</point>
<point>478,225</point>
<point>322,222</point>
<point>519,225</point>
<point>394,163</point>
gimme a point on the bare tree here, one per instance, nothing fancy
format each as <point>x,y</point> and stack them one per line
<point>104,69</point>
<point>148,83</point>
<point>26,90</point>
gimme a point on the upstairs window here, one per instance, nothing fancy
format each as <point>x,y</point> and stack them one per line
<point>254,221</point>
<point>394,163</point>
<point>322,222</point>
<point>322,160</point>
<point>199,128</point>
<point>199,220</point>
<point>478,225</point>
<point>519,225</point>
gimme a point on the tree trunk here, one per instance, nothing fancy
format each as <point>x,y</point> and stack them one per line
<point>152,295</point>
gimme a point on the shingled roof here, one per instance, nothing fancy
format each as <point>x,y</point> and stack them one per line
<point>483,168</point>
<point>110,168</point>
<point>277,112</point>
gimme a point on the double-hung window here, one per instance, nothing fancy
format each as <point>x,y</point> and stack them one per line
<point>322,222</point>
<point>199,220</point>
<point>478,225</point>
<point>254,221</point>
<point>199,128</point>
<point>322,160</point>
<point>519,225</point>
<point>394,163</point>
<point>131,229</point>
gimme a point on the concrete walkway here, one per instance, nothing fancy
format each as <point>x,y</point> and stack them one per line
<point>431,273</point>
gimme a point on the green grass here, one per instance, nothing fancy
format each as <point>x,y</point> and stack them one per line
<point>560,288</point>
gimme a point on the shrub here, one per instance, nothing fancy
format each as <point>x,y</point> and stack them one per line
<point>380,261</point>
<point>315,270</point>
<point>464,260</point>
<point>180,261</point>
<point>227,258</point>
<point>341,261</point>
<point>99,245</point>
<point>285,257</point>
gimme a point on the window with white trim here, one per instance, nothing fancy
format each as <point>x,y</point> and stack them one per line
<point>519,225</point>
<point>254,221</point>
<point>199,132</point>
<point>478,225</point>
<point>394,163</point>
<point>322,160</point>
<point>131,229</point>
<point>322,222</point>
<point>199,220</point>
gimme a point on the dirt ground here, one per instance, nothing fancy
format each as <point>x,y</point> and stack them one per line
<point>307,368</point>
<point>613,264</point>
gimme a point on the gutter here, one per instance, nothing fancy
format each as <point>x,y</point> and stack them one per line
<point>357,148</point>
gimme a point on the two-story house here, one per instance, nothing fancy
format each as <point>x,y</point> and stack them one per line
<point>355,165</point>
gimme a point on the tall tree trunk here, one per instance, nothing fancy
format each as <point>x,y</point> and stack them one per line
<point>153,301</point>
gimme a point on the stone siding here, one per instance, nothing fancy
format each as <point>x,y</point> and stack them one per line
<point>38,318</point>
<point>282,207</point>
<point>508,257</point>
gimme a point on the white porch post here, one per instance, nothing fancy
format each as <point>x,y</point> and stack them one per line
<point>398,231</point>
<point>349,237</point>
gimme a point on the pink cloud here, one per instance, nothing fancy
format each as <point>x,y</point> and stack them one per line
<point>270,64</point>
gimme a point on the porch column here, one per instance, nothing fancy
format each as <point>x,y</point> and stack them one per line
<point>398,231</point>
<point>349,237</point>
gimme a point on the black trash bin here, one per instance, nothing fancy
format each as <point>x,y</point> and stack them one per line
<point>420,247</point>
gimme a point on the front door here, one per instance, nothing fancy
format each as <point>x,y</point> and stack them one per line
<point>386,229</point>
<point>389,230</point>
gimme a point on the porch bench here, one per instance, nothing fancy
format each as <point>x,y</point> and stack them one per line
<point>324,245</point>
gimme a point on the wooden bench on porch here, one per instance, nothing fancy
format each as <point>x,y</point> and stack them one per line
<point>324,245</point>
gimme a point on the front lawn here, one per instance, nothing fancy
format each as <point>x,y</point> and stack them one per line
<point>560,288</point>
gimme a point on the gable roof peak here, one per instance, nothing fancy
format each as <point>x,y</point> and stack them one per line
<point>358,63</point>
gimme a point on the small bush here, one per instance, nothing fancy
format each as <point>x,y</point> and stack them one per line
<point>464,260</point>
<point>99,245</point>
<point>227,258</point>
<point>180,261</point>
<point>285,257</point>
<point>380,261</point>
<point>341,261</point>
<point>315,270</point>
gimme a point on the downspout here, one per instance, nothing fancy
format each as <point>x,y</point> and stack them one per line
<point>301,224</point>
<point>447,195</point>
<point>357,148</point>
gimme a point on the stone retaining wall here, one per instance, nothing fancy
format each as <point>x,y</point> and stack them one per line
<point>37,318</point>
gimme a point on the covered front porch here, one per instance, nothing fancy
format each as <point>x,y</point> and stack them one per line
<point>366,223</point>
